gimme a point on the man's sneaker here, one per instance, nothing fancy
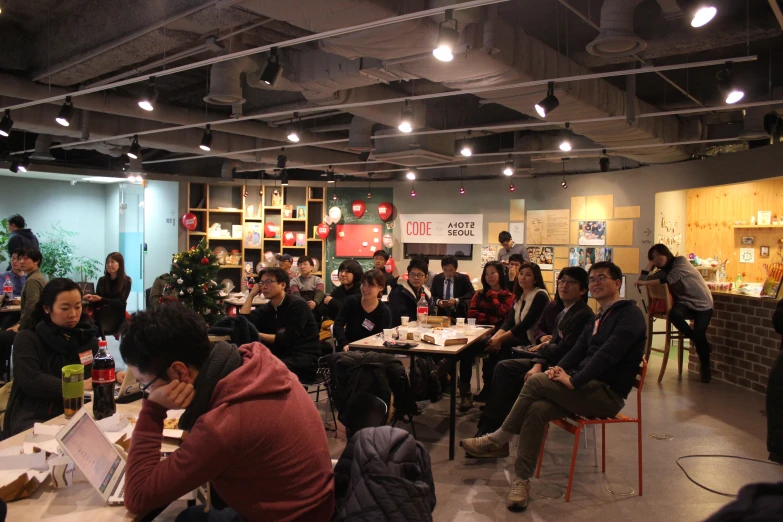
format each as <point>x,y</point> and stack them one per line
<point>483,447</point>
<point>517,497</point>
<point>482,396</point>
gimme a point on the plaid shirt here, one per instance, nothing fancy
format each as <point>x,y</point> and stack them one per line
<point>491,307</point>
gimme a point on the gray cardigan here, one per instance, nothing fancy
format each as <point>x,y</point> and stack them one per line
<point>31,293</point>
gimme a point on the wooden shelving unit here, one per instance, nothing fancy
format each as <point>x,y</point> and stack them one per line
<point>205,199</point>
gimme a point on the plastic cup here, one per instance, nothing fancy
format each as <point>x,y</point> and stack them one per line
<point>405,319</point>
<point>472,322</point>
<point>73,389</point>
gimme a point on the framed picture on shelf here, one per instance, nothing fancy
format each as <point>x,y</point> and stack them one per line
<point>765,217</point>
<point>301,212</point>
<point>288,211</point>
<point>254,234</point>
<point>764,251</point>
<point>300,239</point>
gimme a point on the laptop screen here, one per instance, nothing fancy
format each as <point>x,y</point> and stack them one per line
<point>92,452</point>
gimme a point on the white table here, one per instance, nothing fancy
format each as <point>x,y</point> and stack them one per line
<point>450,353</point>
<point>79,502</point>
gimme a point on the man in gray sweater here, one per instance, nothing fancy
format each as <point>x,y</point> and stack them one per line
<point>33,286</point>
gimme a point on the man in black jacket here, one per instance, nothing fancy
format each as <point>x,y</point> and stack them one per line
<point>286,324</point>
<point>510,375</point>
<point>451,291</point>
<point>21,237</point>
<point>592,380</point>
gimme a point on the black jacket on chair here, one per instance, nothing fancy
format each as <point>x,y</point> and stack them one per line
<point>463,291</point>
<point>565,334</point>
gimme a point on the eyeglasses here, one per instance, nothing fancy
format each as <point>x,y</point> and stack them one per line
<point>145,387</point>
<point>266,282</point>
<point>415,275</point>
<point>598,279</point>
<point>567,282</point>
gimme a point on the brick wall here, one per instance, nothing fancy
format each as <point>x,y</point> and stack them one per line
<point>744,343</point>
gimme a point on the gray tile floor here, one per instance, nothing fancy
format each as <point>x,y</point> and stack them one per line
<point>704,419</point>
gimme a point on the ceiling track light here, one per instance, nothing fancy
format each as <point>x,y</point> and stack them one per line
<point>411,174</point>
<point>282,159</point>
<point>135,149</point>
<point>511,187</point>
<point>603,162</point>
<point>330,175</point>
<point>66,112</point>
<point>369,185</point>
<point>14,166</point>
<point>206,139</point>
<point>284,178</point>
<point>508,168</point>
<point>728,86</point>
<point>406,118</point>
<point>703,14</point>
<point>548,104</point>
<point>467,147</point>
<point>448,38</point>
<point>565,144</point>
<point>6,124</point>
<point>293,130</point>
<point>334,194</point>
<point>564,184</point>
<point>273,70</point>
<point>25,164</point>
<point>147,102</point>
<point>413,190</point>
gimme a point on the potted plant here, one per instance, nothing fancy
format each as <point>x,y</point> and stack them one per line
<point>59,259</point>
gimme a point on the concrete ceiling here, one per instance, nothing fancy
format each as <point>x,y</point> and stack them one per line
<point>54,46</point>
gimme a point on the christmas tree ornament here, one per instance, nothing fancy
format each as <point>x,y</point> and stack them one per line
<point>179,281</point>
<point>204,260</point>
<point>190,290</point>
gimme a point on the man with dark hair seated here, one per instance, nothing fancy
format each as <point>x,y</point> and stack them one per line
<point>254,433</point>
<point>510,375</point>
<point>592,380</point>
<point>285,324</point>
<point>451,291</point>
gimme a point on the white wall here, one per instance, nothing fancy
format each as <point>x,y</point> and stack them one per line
<point>161,227</point>
<point>80,208</point>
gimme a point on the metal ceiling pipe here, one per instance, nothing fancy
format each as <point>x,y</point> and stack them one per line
<point>360,135</point>
<point>225,80</point>
<point>617,37</point>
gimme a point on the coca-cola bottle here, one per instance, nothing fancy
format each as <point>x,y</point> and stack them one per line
<point>422,310</point>
<point>8,288</point>
<point>103,383</point>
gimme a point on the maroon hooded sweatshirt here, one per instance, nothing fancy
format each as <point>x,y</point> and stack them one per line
<point>262,445</point>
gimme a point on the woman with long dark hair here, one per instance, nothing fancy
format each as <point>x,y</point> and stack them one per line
<point>111,297</point>
<point>530,299</point>
<point>489,306</point>
<point>61,336</point>
<point>692,298</point>
<point>350,274</point>
<point>363,315</point>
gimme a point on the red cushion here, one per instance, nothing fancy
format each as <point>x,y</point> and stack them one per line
<point>657,307</point>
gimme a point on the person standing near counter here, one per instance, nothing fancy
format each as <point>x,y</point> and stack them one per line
<point>111,298</point>
<point>692,298</point>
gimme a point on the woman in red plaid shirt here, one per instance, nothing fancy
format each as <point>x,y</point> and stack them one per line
<point>489,306</point>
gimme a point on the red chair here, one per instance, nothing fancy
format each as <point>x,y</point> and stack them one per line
<point>574,424</point>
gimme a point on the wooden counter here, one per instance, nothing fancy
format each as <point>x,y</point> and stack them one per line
<point>744,343</point>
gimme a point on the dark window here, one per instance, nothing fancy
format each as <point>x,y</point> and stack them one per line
<point>434,251</point>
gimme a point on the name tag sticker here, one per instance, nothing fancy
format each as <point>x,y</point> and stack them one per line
<point>86,357</point>
<point>368,325</point>
<point>595,326</point>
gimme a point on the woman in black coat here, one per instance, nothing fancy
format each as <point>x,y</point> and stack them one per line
<point>60,337</point>
<point>111,297</point>
<point>350,274</point>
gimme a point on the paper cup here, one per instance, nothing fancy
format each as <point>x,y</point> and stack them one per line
<point>61,469</point>
<point>405,319</point>
<point>417,336</point>
<point>460,321</point>
<point>388,334</point>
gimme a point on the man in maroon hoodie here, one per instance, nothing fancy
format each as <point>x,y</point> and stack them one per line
<point>254,433</point>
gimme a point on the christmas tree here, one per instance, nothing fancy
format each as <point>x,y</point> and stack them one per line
<point>192,281</point>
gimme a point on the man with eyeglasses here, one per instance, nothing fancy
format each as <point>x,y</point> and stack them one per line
<point>592,380</point>
<point>254,434</point>
<point>404,299</point>
<point>510,375</point>
<point>285,324</point>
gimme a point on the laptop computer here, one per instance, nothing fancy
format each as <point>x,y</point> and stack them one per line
<point>95,456</point>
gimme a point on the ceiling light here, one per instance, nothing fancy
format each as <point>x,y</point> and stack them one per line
<point>14,166</point>
<point>508,169</point>
<point>273,70</point>
<point>369,185</point>
<point>282,159</point>
<point>704,15</point>
<point>448,38</point>
<point>467,147</point>
<point>731,91</point>
<point>549,103</point>
<point>135,150</point>
<point>334,196</point>
<point>406,118</point>
<point>413,191</point>
<point>330,175</point>
<point>206,139</point>
<point>603,162</point>
<point>565,145</point>
<point>411,174</point>
<point>147,102</point>
<point>293,131</point>
<point>563,183</point>
<point>461,189</point>
<point>66,112</point>
<point>461,175</point>
<point>284,178</point>
<point>25,164</point>
<point>511,187</point>
<point>6,124</point>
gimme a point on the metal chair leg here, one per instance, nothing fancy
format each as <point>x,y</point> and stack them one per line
<point>541,453</point>
<point>573,465</point>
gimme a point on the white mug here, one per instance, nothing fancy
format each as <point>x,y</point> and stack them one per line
<point>61,469</point>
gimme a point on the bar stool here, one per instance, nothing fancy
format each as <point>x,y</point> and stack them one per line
<point>660,303</point>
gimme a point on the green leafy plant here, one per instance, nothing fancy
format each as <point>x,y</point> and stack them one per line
<point>5,235</point>
<point>59,259</point>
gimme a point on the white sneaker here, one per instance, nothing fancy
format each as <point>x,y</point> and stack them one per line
<point>520,491</point>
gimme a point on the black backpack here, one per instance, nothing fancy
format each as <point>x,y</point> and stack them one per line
<point>424,383</point>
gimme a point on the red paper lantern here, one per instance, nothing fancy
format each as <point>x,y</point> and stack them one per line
<point>189,221</point>
<point>385,211</point>
<point>358,207</point>
<point>323,231</point>
<point>271,230</point>
<point>289,239</point>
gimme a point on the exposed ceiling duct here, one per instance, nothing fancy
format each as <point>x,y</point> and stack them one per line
<point>42,144</point>
<point>225,81</point>
<point>360,135</point>
<point>617,37</point>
